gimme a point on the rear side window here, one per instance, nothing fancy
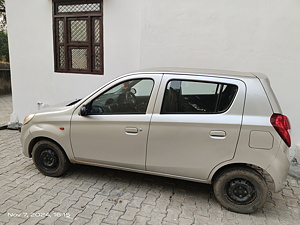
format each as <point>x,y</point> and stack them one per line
<point>185,96</point>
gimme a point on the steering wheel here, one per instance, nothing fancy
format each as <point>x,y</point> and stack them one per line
<point>131,99</point>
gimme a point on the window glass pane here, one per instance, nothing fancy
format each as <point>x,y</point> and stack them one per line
<point>197,88</point>
<point>197,97</point>
<point>61,38</point>
<point>61,57</point>
<point>92,7</point>
<point>78,30</point>
<point>96,30</point>
<point>97,63</point>
<point>143,88</point>
<point>228,93</point>
<point>130,97</point>
<point>79,58</point>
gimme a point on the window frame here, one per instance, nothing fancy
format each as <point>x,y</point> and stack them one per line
<point>90,44</point>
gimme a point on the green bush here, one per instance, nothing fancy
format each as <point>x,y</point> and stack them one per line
<point>4,55</point>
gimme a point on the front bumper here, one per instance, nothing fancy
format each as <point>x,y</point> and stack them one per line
<point>25,140</point>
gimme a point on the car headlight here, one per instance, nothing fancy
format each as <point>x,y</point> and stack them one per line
<point>28,118</point>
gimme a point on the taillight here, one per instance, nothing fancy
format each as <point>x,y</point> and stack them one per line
<point>282,126</point>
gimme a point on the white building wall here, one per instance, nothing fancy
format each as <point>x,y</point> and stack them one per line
<point>245,35</point>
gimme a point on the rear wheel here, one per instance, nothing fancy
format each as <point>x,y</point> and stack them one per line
<point>49,158</point>
<point>241,190</point>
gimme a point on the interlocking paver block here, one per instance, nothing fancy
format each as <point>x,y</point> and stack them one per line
<point>60,198</point>
<point>88,211</point>
<point>124,222</point>
<point>9,203</point>
<point>121,205</point>
<point>172,215</point>
<point>136,202</point>
<point>81,203</point>
<point>91,192</point>
<point>79,221</point>
<point>76,195</point>
<point>4,197</point>
<point>25,203</point>
<point>140,220</point>
<point>98,199</point>
<point>130,213</point>
<point>105,208</point>
<point>60,222</point>
<point>54,190</point>
<point>41,201</point>
<point>96,219</point>
<point>156,218</point>
<point>64,206</point>
<point>85,186</point>
<point>113,217</point>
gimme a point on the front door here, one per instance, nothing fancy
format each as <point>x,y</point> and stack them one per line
<point>114,131</point>
<point>196,125</point>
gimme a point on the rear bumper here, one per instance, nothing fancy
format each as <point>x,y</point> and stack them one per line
<point>279,169</point>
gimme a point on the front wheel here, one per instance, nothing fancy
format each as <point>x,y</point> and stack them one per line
<point>49,158</point>
<point>241,190</point>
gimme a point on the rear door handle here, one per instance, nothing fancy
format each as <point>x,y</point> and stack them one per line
<point>217,134</point>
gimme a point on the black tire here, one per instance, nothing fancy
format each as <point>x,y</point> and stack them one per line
<point>241,190</point>
<point>49,158</point>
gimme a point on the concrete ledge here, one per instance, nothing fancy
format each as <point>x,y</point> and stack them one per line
<point>295,169</point>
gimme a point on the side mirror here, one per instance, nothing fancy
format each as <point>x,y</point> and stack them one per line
<point>83,111</point>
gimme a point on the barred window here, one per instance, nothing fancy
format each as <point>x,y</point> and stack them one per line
<point>78,36</point>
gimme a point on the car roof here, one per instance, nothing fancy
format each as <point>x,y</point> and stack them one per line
<point>197,71</point>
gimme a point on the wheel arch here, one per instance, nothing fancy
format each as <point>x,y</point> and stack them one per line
<point>268,178</point>
<point>41,138</point>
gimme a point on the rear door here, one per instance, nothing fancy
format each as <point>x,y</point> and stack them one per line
<point>195,125</point>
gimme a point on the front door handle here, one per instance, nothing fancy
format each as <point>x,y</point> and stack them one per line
<point>217,134</point>
<point>131,130</point>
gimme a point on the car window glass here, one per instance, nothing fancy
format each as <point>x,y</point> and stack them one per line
<point>182,96</point>
<point>129,97</point>
<point>196,88</point>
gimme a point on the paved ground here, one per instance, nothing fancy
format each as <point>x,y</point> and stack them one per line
<point>91,195</point>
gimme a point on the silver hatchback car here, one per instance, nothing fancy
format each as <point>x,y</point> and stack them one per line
<point>224,128</point>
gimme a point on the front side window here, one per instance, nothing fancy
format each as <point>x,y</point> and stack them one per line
<point>182,96</point>
<point>78,36</point>
<point>130,97</point>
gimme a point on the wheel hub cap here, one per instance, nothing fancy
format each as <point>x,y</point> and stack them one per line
<point>49,158</point>
<point>241,191</point>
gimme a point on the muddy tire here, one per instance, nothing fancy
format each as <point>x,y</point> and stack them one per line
<point>241,190</point>
<point>49,158</point>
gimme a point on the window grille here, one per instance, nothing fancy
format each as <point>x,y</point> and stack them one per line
<point>92,7</point>
<point>78,36</point>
